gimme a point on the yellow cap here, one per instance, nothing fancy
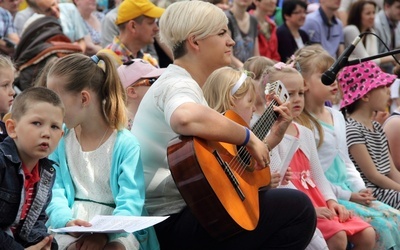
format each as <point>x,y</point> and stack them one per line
<point>130,9</point>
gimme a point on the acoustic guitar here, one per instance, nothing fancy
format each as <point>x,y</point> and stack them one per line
<point>218,180</point>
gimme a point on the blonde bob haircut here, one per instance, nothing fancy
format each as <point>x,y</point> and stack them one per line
<point>184,19</point>
<point>218,86</point>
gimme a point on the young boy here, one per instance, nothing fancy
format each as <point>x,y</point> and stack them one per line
<point>26,175</point>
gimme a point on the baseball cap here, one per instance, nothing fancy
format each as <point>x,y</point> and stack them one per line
<point>135,70</point>
<point>130,9</point>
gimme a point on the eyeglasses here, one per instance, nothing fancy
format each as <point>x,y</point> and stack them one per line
<point>299,12</point>
<point>144,82</point>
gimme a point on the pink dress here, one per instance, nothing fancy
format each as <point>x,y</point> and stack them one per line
<point>303,181</point>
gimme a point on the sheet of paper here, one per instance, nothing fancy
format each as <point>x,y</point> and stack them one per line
<point>114,224</point>
<point>286,162</point>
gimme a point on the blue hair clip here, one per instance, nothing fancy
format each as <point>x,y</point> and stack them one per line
<point>95,59</point>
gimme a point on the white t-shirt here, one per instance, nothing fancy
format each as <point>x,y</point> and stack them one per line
<point>152,128</point>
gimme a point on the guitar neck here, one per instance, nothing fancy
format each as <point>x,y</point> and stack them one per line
<point>264,124</point>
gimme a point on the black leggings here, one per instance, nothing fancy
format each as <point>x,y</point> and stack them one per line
<point>287,221</point>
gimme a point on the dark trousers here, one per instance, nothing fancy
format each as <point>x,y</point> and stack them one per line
<point>287,221</point>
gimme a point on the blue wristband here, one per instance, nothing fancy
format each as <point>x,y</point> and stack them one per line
<point>247,138</point>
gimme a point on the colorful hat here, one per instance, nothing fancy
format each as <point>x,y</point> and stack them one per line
<point>130,9</point>
<point>135,70</point>
<point>357,80</point>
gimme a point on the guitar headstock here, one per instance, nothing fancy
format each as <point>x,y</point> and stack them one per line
<point>278,89</point>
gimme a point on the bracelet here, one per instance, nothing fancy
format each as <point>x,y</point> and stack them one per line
<point>247,139</point>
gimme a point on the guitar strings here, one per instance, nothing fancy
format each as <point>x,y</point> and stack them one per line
<point>260,129</point>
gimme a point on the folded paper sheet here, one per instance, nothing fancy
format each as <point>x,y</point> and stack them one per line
<point>114,224</point>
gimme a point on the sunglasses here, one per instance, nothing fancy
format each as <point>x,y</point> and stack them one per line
<point>144,82</point>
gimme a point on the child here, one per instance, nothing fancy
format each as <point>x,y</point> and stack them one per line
<point>346,181</point>
<point>26,175</point>
<point>230,89</point>
<point>136,77</point>
<point>100,170</point>
<point>335,222</point>
<point>6,90</point>
<point>256,65</point>
<point>365,91</point>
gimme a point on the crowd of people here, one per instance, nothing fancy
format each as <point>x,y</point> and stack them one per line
<point>210,113</point>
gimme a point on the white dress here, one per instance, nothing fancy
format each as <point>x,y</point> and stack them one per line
<point>90,175</point>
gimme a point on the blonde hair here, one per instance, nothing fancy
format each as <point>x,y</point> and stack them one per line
<point>272,74</point>
<point>218,86</point>
<point>5,62</point>
<point>257,65</point>
<point>81,72</point>
<point>312,59</point>
<point>189,18</point>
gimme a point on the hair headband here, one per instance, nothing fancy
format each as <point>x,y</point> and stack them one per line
<point>239,83</point>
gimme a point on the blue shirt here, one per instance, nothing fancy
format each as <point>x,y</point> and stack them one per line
<point>72,22</point>
<point>6,23</point>
<point>327,33</point>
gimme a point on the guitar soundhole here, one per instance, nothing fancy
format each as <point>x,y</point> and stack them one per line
<point>245,157</point>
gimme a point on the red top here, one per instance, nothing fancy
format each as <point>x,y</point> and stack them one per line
<point>268,47</point>
<point>31,178</point>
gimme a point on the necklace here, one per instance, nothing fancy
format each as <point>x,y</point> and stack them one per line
<point>102,138</point>
<point>101,141</point>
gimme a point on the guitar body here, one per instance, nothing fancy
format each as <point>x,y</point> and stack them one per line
<point>209,192</point>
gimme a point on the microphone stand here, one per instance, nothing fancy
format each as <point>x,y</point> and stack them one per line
<point>369,58</point>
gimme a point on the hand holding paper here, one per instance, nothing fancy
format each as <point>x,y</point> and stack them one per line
<point>114,224</point>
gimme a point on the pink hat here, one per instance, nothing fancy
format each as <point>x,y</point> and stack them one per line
<point>137,69</point>
<point>357,80</point>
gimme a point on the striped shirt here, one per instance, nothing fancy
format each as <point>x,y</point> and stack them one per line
<point>376,143</point>
<point>378,148</point>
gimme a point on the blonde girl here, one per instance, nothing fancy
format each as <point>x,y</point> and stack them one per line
<point>257,65</point>
<point>333,220</point>
<point>230,89</point>
<point>330,137</point>
<point>6,90</point>
<point>100,170</point>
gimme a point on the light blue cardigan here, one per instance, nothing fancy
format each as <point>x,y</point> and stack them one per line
<point>126,182</point>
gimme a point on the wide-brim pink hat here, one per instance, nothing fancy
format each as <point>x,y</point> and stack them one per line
<point>357,80</point>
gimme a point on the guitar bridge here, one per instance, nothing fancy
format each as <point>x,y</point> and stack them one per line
<point>230,175</point>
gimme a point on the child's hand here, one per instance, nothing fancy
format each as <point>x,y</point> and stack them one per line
<point>324,212</point>
<point>77,222</point>
<point>92,242</point>
<point>45,244</point>
<point>364,197</point>
<point>339,210</point>
<point>287,177</point>
<point>275,178</point>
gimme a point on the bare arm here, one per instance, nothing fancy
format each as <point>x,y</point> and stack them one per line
<point>81,42</point>
<point>91,48</point>
<point>204,122</point>
<point>367,166</point>
<point>391,129</point>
